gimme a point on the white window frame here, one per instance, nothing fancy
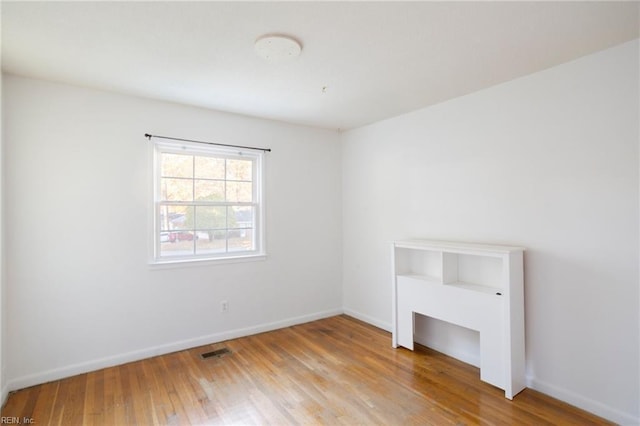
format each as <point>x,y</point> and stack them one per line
<point>175,147</point>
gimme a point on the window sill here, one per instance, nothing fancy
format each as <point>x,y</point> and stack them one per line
<point>188,263</point>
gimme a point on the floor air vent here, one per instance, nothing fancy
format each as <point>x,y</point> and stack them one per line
<point>215,354</point>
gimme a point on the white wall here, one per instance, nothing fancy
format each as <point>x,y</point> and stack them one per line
<point>3,388</point>
<point>549,162</point>
<point>81,294</point>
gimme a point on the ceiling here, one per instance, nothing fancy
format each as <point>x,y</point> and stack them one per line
<point>361,61</point>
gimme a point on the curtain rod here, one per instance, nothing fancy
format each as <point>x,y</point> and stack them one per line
<point>149,136</point>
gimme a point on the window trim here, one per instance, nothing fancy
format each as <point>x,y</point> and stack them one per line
<point>157,147</point>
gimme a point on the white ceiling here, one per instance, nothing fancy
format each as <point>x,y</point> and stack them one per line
<point>375,59</point>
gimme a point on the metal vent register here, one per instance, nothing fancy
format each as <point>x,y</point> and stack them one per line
<point>215,354</point>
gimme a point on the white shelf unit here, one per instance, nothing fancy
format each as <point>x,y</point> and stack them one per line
<point>477,286</point>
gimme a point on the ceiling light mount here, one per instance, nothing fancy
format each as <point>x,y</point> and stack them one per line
<point>276,48</point>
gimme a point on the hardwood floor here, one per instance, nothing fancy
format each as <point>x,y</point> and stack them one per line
<point>333,371</point>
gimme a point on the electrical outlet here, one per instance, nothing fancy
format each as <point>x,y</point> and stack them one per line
<point>224,306</point>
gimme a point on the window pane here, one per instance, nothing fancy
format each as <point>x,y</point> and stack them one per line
<point>177,243</point>
<point>176,218</point>
<point>241,239</point>
<point>177,165</point>
<point>241,217</point>
<point>209,190</point>
<point>239,192</point>
<point>211,241</point>
<point>176,235</point>
<point>239,169</point>
<point>208,217</point>
<point>209,168</point>
<point>176,189</point>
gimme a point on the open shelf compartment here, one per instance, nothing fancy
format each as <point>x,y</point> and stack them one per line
<point>420,264</point>
<point>474,272</point>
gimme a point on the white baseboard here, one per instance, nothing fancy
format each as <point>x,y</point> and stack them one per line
<point>369,320</point>
<point>4,394</point>
<point>463,356</point>
<point>85,367</point>
<point>453,352</point>
<point>590,405</point>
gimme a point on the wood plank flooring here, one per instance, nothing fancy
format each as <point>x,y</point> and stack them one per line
<point>333,371</point>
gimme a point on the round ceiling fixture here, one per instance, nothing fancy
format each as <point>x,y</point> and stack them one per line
<point>277,48</point>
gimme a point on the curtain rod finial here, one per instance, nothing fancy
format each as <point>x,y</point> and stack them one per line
<point>147,135</point>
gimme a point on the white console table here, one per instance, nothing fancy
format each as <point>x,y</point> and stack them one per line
<point>476,286</point>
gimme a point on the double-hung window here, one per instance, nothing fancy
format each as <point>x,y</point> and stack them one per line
<point>207,202</point>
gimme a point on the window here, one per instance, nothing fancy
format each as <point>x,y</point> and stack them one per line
<point>207,202</point>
